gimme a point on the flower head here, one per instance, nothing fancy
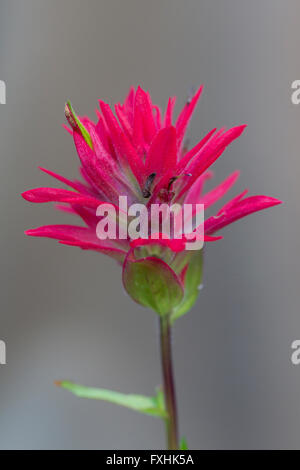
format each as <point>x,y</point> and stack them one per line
<point>140,153</point>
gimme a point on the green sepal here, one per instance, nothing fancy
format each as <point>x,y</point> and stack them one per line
<point>152,283</point>
<point>76,124</point>
<point>192,282</point>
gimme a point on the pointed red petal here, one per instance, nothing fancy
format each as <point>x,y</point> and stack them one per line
<point>64,232</point>
<point>233,202</point>
<point>158,117</point>
<point>186,114</point>
<point>74,235</point>
<point>241,209</point>
<point>129,105</point>
<point>195,191</point>
<point>219,191</point>
<point>169,112</point>
<point>189,155</point>
<point>70,131</point>
<point>124,148</point>
<point>209,154</point>
<point>143,103</point>
<point>77,185</point>
<point>42,195</point>
<point>162,154</point>
<point>123,119</point>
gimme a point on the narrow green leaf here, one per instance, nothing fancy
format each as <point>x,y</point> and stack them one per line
<point>143,404</point>
<point>152,283</point>
<point>76,124</point>
<point>192,282</point>
<point>183,444</point>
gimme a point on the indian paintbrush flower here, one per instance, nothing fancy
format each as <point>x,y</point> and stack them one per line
<point>139,152</point>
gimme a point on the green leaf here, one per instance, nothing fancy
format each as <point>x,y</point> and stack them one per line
<point>183,444</point>
<point>148,405</point>
<point>76,124</point>
<point>160,399</point>
<point>192,282</point>
<point>152,283</point>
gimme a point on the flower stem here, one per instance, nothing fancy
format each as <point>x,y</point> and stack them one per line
<point>169,384</point>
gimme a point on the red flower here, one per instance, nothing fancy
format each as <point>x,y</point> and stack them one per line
<point>141,154</point>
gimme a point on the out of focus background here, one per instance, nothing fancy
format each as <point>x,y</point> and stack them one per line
<point>64,314</point>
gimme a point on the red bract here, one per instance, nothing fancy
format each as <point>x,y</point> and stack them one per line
<point>139,153</point>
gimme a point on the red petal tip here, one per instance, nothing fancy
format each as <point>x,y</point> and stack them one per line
<point>30,232</point>
<point>27,195</point>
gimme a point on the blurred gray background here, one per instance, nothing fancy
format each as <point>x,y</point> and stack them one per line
<point>64,313</point>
